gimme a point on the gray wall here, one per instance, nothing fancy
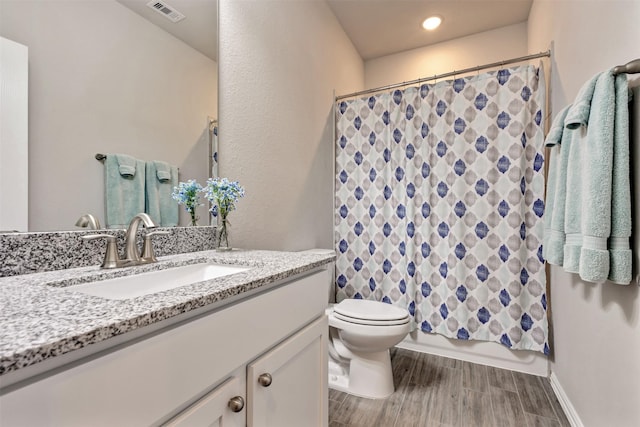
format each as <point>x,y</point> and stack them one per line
<point>596,352</point>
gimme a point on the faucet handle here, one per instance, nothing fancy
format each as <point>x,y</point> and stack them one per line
<point>147,246</point>
<point>111,258</point>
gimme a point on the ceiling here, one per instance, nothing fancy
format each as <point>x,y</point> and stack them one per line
<point>382,27</point>
<point>376,27</point>
<point>199,29</point>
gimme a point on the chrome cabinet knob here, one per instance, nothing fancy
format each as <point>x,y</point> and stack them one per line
<point>265,380</point>
<point>236,404</point>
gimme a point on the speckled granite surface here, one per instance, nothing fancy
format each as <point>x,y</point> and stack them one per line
<point>25,253</point>
<point>41,316</point>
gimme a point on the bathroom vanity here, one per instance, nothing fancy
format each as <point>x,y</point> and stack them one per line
<point>244,349</point>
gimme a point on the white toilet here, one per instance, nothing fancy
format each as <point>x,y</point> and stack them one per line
<point>361,332</point>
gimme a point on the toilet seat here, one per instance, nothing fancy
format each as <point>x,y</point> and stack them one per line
<point>370,322</point>
<point>373,313</point>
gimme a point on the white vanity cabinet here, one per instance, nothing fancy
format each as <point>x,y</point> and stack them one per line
<point>287,386</point>
<point>187,373</point>
<point>222,407</point>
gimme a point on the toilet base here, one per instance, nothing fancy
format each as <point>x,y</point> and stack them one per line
<point>368,375</point>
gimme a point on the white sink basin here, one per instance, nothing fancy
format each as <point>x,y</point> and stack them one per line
<point>138,285</point>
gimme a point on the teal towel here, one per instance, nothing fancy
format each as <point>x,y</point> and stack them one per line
<point>160,180</point>
<point>558,142</point>
<point>620,257</point>
<point>596,172</point>
<point>124,189</point>
<point>591,154</point>
<point>576,123</point>
<point>126,165</point>
<point>163,170</point>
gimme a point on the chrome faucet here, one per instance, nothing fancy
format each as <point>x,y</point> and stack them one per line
<point>131,253</point>
<point>88,220</point>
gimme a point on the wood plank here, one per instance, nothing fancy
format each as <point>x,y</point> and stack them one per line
<point>381,412</point>
<point>334,408</point>
<point>424,368</point>
<point>357,411</point>
<point>443,405</point>
<point>474,377</point>
<point>448,362</point>
<point>507,408</point>
<point>501,378</point>
<point>336,395</point>
<point>538,421</point>
<point>403,363</point>
<point>413,412</point>
<point>534,399</point>
<point>476,409</point>
<point>433,396</point>
<point>560,415</point>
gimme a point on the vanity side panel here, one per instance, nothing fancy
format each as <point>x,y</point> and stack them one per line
<point>154,379</point>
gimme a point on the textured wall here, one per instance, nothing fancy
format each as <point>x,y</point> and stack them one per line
<point>597,327</point>
<point>104,80</point>
<point>280,62</point>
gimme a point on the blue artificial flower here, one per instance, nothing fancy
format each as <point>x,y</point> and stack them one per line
<point>188,194</point>
<point>223,195</point>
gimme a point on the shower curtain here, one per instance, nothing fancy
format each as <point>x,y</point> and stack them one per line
<point>439,203</point>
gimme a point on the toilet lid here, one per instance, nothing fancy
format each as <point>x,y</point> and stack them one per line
<point>371,322</point>
<point>365,310</point>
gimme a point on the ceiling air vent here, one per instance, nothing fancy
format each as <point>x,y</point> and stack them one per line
<point>165,10</point>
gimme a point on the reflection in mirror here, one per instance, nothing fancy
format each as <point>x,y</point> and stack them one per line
<point>106,78</point>
<point>213,148</point>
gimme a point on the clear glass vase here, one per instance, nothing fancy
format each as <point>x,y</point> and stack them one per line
<point>223,235</point>
<point>194,218</point>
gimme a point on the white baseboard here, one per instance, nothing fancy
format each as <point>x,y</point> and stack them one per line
<point>481,352</point>
<point>567,407</point>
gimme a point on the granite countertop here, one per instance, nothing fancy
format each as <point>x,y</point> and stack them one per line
<point>41,317</point>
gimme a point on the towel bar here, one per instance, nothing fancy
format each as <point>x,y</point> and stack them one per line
<point>631,67</point>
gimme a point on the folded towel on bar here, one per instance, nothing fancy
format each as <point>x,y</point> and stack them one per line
<point>124,189</point>
<point>160,180</point>
<point>593,159</point>
<point>619,248</point>
<point>576,124</point>
<point>126,165</point>
<point>596,171</point>
<point>163,170</point>
<point>558,142</point>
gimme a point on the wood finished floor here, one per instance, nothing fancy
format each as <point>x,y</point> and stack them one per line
<point>436,392</point>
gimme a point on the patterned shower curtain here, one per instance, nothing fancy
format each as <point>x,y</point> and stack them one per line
<point>439,198</point>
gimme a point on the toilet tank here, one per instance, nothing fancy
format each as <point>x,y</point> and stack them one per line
<point>331,287</point>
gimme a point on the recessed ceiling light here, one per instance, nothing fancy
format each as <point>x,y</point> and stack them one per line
<point>431,23</point>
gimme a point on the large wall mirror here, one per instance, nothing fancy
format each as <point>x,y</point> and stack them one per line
<point>112,76</point>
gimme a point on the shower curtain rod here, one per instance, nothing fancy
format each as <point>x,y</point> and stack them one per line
<point>453,73</point>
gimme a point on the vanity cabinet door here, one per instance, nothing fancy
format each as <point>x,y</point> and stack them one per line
<point>287,386</point>
<point>224,406</point>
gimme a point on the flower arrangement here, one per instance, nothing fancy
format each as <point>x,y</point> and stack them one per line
<point>223,195</point>
<point>188,194</point>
